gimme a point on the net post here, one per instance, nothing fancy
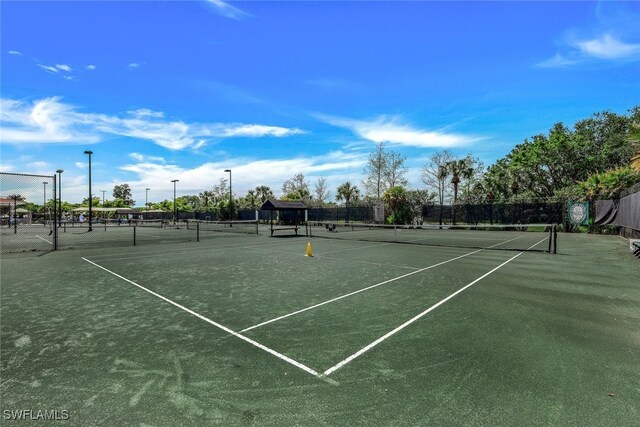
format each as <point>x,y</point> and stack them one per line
<point>134,234</point>
<point>197,231</point>
<point>257,230</point>
<point>555,239</point>
<point>550,239</point>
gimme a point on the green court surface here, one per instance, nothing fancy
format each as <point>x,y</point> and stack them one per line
<point>246,330</point>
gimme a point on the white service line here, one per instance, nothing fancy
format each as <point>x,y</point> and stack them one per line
<point>371,287</point>
<point>356,292</point>
<point>42,238</point>
<point>410,321</point>
<point>217,325</point>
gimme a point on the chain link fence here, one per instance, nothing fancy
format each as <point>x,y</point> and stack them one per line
<point>27,212</point>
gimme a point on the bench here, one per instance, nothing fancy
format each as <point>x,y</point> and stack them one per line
<point>292,227</point>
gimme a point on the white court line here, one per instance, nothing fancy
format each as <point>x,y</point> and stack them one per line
<point>410,321</point>
<point>217,325</point>
<point>42,238</point>
<point>371,287</point>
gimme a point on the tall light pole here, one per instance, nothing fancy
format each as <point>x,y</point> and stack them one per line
<point>103,191</point>
<point>230,195</point>
<point>44,204</point>
<point>59,172</point>
<point>89,153</point>
<point>175,212</point>
<point>146,198</point>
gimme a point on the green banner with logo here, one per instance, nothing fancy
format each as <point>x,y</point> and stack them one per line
<point>578,213</point>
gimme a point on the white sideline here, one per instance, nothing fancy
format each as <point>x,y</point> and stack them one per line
<point>370,287</point>
<point>410,321</point>
<point>217,325</point>
<point>42,238</point>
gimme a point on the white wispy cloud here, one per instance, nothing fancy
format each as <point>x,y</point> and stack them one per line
<point>64,67</point>
<point>43,121</point>
<point>392,130</point>
<point>91,67</point>
<point>145,112</point>
<point>609,47</point>
<point>558,61</point>
<point>603,47</point>
<point>48,68</point>
<point>14,52</point>
<point>50,120</point>
<point>142,158</point>
<point>338,165</point>
<point>225,9</point>
<point>134,65</point>
<point>256,131</point>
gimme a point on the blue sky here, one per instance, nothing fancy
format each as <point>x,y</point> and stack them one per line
<point>184,90</point>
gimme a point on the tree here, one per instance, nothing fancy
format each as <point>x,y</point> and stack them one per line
<point>295,184</point>
<point>251,200</point>
<point>95,201</point>
<point>264,193</point>
<point>435,173</point>
<point>395,170</point>
<point>396,200</point>
<point>187,203</point>
<point>320,191</point>
<point>348,193</point>
<point>459,169</point>
<point>374,171</point>
<point>220,190</point>
<point>123,192</point>
<point>296,188</point>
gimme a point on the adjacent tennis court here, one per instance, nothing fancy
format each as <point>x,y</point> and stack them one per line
<point>246,329</point>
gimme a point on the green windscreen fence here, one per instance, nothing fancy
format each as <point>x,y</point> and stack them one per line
<point>623,212</point>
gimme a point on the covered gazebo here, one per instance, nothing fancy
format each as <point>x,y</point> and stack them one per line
<point>290,215</point>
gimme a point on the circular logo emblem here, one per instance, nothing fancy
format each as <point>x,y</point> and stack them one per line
<point>578,213</point>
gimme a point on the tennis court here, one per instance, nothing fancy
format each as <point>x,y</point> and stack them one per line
<point>245,329</point>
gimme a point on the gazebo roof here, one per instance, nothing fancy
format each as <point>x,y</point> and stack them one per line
<point>283,205</point>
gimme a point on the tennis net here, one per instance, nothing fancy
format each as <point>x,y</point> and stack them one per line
<point>516,237</point>
<point>243,227</point>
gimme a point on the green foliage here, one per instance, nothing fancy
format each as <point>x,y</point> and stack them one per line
<point>608,184</point>
<point>297,189</point>
<point>347,192</point>
<point>95,201</point>
<point>395,199</point>
<point>552,165</point>
<point>123,192</point>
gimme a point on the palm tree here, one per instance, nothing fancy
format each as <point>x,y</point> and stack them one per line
<point>264,193</point>
<point>251,200</point>
<point>458,169</point>
<point>347,192</point>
